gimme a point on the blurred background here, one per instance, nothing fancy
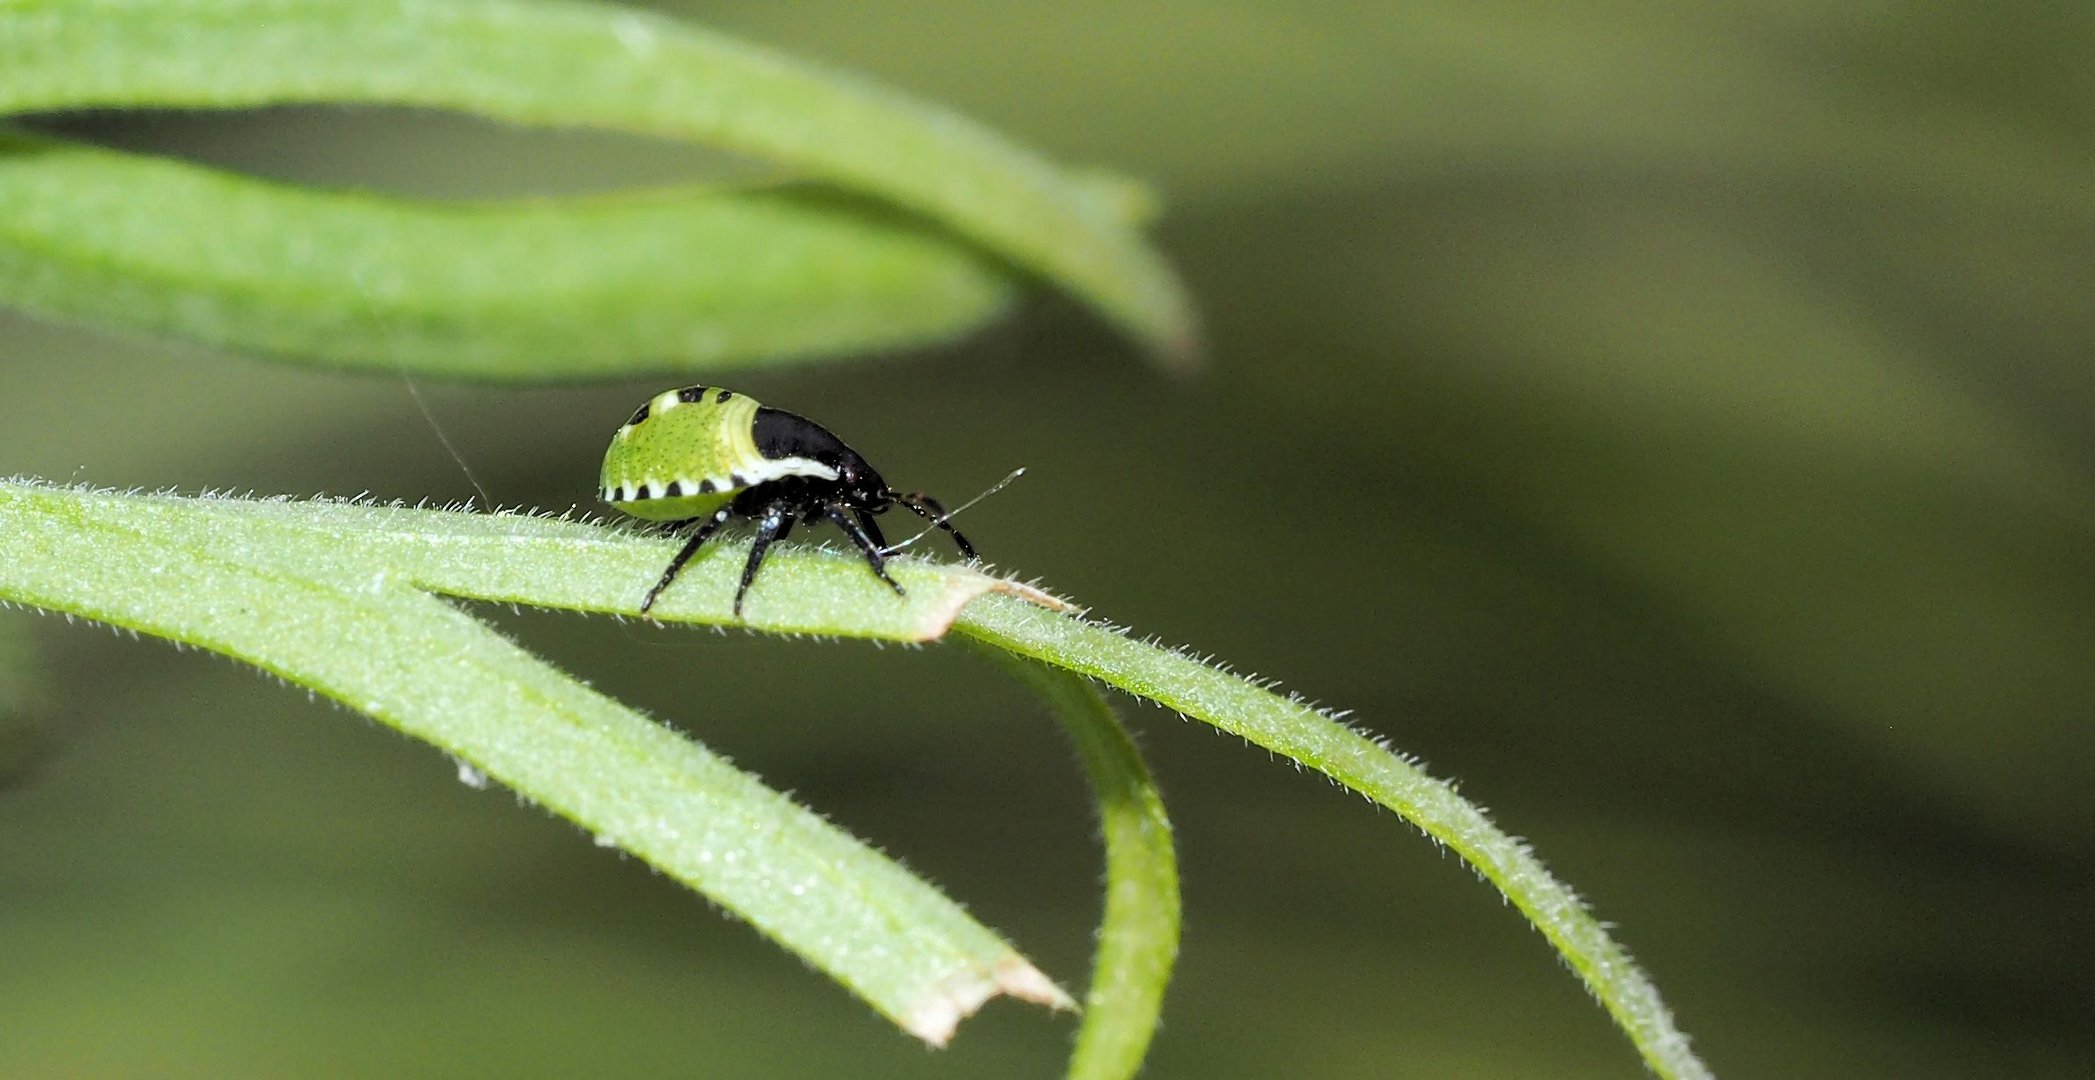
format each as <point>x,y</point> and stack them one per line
<point>1670,421</point>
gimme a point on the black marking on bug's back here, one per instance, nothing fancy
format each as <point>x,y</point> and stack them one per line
<point>721,397</point>
<point>780,434</point>
<point>640,414</point>
<point>692,395</point>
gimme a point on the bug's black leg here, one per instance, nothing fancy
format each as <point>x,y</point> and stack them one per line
<point>776,521</point>
<point>865,539</point>
<point>930,510</point>
<point>872,527</point>
<point>683,556</point>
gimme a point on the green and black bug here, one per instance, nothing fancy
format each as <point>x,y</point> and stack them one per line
<point>701,455</point>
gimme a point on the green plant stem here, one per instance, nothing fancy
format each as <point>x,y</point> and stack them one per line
<point>1138,934</point>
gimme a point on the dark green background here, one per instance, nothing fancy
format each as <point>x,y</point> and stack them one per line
<point>1671,421</point>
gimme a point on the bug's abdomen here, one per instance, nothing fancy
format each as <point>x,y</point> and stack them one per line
<point>688,452</point>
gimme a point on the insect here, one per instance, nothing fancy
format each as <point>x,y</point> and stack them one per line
<point>702,455</point>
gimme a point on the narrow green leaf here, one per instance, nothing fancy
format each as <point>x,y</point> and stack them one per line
<point>556,288</point>
<point>548,562</point>
<point>575,65</point>
<point>280,584</point>
<point>1138,935</point>
<point>349,620</point>
<point>1303,734</point>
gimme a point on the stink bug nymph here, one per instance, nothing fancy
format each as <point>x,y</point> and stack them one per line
<point>701,455</point>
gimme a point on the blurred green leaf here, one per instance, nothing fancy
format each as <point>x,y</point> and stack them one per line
<point>538,289</point>
<point>574,65</point>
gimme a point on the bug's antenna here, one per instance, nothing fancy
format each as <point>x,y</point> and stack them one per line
<point>940,521</point>
<point>415,392</point>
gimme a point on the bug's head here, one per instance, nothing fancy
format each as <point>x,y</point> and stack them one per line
<point>858,484</point>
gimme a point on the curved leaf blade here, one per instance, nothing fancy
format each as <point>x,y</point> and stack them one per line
<point>524,290</point>
<point>575,65</point>
<point>345,621</point>
<point>1303,734</point>
<point>1138,934</point>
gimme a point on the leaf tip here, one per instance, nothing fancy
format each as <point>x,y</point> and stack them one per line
<point>1025,982</point>
<point>935,1016</point>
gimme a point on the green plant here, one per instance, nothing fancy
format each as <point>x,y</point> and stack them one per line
<point>936,224</point>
